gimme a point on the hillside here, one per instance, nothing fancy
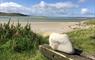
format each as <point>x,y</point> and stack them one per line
<point>11,14</point>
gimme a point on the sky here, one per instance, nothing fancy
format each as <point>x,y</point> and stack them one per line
<point>60,8</point>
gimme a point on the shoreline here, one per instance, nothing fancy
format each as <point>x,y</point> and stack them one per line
<point>45,28</point>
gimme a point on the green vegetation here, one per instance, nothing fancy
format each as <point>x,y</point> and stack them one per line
<point>11,14</point>
<point>90,22</point>
<point>84,39</point>
<point>19,43</point>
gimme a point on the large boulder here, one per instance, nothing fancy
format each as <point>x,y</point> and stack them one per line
<point>61,42</point>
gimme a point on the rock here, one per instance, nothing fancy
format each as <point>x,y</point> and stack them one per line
<point>61,42</point>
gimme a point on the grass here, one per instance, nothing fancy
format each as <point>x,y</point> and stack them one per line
<point>19,43</point>
<point>84,40</point>
<point>90,22</point>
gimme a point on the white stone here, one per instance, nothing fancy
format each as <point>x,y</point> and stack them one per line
<point>61,42</point>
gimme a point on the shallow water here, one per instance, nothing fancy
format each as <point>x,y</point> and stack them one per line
<point>42,19</point>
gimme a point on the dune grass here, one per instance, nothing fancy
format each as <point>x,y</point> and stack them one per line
<point>90,22</point>
<point>84,40</point>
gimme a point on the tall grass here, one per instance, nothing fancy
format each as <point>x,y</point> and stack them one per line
<point>19,43</point>
<point>84,40</point>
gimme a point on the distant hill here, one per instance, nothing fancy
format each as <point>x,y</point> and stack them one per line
<point>11,14</point>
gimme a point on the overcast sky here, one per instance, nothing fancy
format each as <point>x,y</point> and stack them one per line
<point>66,8</point>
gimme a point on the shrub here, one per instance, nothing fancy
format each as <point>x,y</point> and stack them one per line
<point>19,43</point>
<point>22,38</point>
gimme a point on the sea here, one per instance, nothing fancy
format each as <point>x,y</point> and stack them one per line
<point>44,19</point>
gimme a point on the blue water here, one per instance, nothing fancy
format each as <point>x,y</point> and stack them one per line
<point>43,19</point>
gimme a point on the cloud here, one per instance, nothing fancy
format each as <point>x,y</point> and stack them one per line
<point>59,8</point>
<point>45,9</point>
<point>58,5</point>
<point>11,7</point>
<point>82,1</point>
<point>85,11</point>
<point>42,8</point>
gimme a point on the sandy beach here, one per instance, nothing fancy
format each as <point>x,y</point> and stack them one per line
<point>46,28</point>
<point>58,27</point>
